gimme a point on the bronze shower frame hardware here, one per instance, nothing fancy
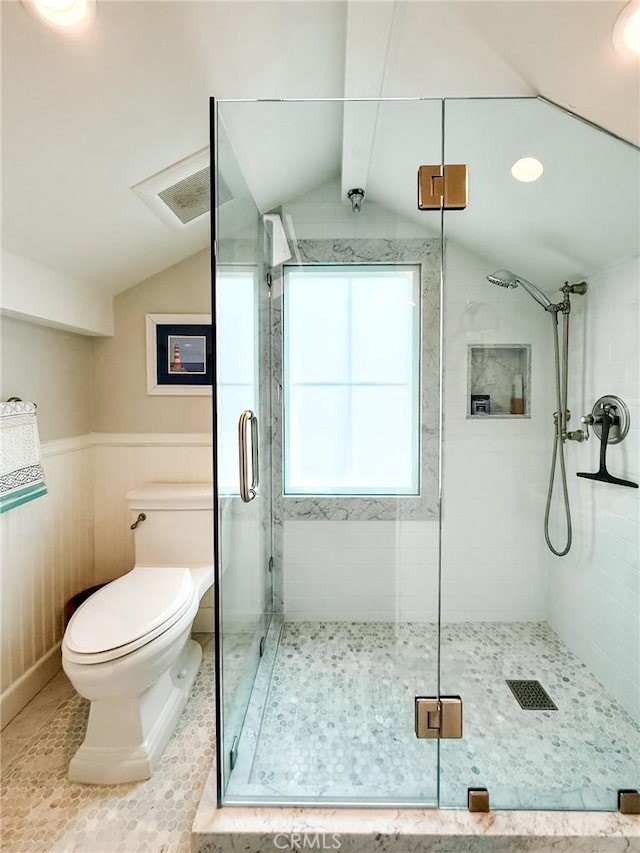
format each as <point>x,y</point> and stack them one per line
<point>443,187</point>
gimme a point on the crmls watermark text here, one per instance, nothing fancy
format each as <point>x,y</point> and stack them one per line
<point>307,841</point>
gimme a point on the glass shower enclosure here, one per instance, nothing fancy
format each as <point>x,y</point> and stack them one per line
<point>391,626</point>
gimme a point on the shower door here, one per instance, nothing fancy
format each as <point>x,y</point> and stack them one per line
<point>243,461</point>
<point>352,276</point>
<point>543,649</point>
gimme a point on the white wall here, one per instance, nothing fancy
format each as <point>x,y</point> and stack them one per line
<point>494,557</point>
<point>594,592</point>
<point>361,571</point>
<point>320,214</point>
<point>40,295</point>
<point>51,368</point>
<point>119,366</point>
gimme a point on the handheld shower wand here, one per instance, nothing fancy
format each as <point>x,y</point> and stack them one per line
<point>508,279</point>
<point>505,278</point>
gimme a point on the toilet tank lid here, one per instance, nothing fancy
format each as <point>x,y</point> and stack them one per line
<point>175,496</point>
<point>133,606</point>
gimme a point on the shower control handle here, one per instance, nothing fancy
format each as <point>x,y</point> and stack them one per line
<point>579,434</point>
<point>588,421</point>
<point>576,434</point>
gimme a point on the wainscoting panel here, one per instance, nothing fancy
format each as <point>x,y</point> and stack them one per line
<point>48,556</point>
<point>76,536</point>
<point>124,462</point>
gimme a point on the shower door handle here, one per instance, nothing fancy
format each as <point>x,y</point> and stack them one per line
<point>248,492</point>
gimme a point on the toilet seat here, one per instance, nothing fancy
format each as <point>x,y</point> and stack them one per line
<point>129,613</point>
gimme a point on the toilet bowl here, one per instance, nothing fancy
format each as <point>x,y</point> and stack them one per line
<point>128,648</point>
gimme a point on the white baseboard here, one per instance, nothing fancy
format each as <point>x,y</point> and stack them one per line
<point>25,688</point>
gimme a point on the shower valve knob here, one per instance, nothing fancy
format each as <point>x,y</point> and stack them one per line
<point>587,420</point>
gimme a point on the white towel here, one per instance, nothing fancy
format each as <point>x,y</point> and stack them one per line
<point>21,474</point>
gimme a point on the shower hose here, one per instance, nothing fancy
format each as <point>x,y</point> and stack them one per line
<point>560,418</point>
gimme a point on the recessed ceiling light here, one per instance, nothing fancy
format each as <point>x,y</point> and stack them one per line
<point>626,33</point>
<point>71,15</point>
<point>527,169</point>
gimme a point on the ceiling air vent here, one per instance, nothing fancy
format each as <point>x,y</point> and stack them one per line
<point>179,195</point>
<point>189,198</point>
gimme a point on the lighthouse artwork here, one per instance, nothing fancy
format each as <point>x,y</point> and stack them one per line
<point>186,354</point>
<point>179,354</point>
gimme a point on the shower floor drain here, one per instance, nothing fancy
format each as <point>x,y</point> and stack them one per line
<point>531,695</point>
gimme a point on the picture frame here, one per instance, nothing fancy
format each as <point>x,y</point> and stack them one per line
<point>179,354</point>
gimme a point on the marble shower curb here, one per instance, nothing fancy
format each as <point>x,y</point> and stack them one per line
<point>261,830</point>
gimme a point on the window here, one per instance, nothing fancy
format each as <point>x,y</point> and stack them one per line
<point>351,380</point>
<point>236,378</point>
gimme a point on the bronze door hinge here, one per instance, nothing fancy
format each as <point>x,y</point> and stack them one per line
<point>438,717</point>
<point>443,187</point>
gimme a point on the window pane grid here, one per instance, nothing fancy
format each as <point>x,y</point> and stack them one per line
<point>351,433</point>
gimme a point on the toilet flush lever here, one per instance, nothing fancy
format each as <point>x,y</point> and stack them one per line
<point>141,517</point>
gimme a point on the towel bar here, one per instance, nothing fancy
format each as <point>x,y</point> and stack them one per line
<point>17,400</point>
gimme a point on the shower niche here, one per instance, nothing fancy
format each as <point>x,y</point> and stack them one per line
<point>499,381</point>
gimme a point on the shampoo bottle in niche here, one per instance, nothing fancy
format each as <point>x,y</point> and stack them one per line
<point>517,395</point>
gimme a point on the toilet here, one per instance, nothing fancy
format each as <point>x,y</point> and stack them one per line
<point>128,648</point>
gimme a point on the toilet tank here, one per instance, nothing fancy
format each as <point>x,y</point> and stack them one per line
<point>178,529</point>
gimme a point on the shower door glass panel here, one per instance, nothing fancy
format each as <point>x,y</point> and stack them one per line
<point>511,610</point>
<point>354,378</point>
<point>244,595</point>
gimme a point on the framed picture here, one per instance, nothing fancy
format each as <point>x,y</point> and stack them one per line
<point>179,354</point>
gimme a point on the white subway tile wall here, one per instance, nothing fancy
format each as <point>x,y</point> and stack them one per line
<point>594,592</point>
<point>359,571</point>
<point>494,559</point>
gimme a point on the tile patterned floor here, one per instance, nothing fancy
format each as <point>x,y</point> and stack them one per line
<point>43,811</point>
<point>338,722</point>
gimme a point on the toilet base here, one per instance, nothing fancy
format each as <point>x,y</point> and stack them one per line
<point>126,735</point>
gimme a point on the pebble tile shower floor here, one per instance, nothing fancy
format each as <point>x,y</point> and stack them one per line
<point>43,811</point>
<point>339,719</point>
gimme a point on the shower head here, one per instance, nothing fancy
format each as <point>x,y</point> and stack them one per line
<point>506,278</point>
<point>503,278</point>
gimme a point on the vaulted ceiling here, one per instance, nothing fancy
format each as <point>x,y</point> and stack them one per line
<point>87,117</point>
